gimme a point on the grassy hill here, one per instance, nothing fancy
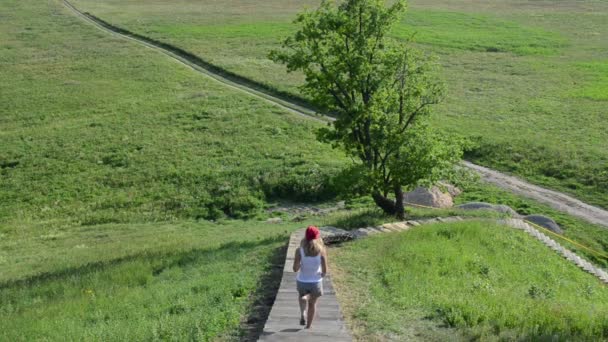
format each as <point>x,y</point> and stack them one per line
<point>526,82</point>
<point>470,280</point>
<point>110,153</point>
<point>99,130</point>
<point>133,189</point>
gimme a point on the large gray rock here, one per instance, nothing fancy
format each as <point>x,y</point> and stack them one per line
<point>432,197</point>
<point>451,189</point>
<point>476,206</point>
<point>504,209</point>
<point>545,222</point>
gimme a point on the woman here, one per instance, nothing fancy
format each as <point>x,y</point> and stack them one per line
<point>310,262</point>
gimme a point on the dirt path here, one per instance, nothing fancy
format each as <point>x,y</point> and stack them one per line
<point>555,199</point>
<point>195,63</point>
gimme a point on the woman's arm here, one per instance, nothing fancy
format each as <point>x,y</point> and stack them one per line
<point>296,261</point>
<point>324,263</point>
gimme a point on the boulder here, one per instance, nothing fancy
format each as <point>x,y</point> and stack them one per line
<point>432,197</point>
<point>545,222</point>
<point>476,206</point>
<point>504,209</point>
<point>451,189</point>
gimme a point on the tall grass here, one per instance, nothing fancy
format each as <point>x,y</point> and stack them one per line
<point>189,295</point>
<point>483,280</point>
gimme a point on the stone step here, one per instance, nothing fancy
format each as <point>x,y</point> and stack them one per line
<point>401,226</point>
<point>389,226</point>
<point>361,232</point>
<point>303,335</point>
<point>385,229</point>
<point>371,230</point>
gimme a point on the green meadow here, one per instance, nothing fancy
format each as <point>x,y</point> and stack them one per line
<point>123,175</point>
<point>99,130</point>
<point>526,80</point>
<point>466,281</point>
<point>133,191</point>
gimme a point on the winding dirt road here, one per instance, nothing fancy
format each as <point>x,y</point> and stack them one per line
<point>557,200</point>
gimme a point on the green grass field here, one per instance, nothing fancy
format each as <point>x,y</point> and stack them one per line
<point>100,130</point>
<point>140,282</point>
<point>363,213</point>
<point>466,281</point>
<point>186,295</point>
<point>110,153</point>
<point>133,189</point>
<point>526,81</point>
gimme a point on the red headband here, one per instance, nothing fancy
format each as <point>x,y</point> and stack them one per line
<point>312,233</point>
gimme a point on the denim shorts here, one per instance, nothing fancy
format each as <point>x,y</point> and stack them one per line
<point>315,289</point>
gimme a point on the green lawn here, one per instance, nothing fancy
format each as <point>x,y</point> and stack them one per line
<point>526,81</point>
<point>463,281</point>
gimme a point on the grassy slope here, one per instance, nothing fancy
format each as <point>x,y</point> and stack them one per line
<point>481,280</point>
<point>107,147</point>
<point>186,295</point>
<point>99,130</point>
<point>589,235</point>
<point>102,140</point>
<point>526,81</point>
<point>364,214</point>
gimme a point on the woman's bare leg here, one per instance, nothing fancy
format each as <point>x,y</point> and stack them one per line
<point>303,304</point>
<point>312,308</point>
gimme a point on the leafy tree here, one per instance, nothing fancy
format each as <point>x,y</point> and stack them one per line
<point>380,91</point>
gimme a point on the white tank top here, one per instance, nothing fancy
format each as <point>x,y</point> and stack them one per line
<point>310,268</point>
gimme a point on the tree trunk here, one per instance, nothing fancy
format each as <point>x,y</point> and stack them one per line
<point>399,208</point>
<point>386,204</point>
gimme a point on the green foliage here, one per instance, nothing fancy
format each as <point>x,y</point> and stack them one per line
<point>361,218</point>
<point>301,182</point>
<point>486,281</point>
<point>380,91</point>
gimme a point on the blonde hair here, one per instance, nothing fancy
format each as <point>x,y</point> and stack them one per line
<point>312,247</point>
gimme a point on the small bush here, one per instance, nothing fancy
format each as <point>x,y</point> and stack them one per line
<point>305,183</point>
